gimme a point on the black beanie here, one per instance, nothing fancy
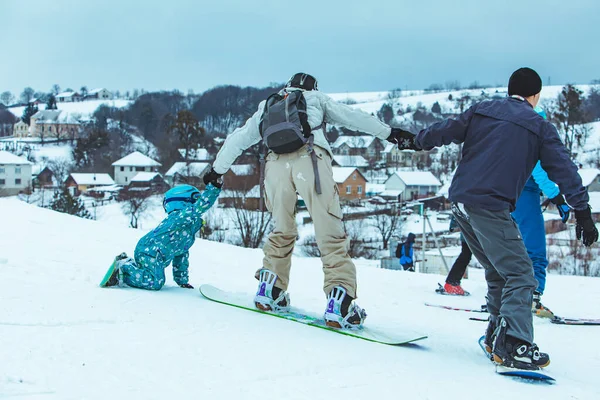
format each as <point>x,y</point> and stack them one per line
<point>524,82</point>
<point>302,81</point>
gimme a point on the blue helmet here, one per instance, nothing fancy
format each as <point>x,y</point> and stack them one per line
<point>180,197</point>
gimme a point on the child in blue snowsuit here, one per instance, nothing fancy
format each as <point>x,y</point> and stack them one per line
<point>528,216</point>
<point>406,253</point>
<point>169,242</point>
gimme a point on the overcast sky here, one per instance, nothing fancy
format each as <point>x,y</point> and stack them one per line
<point>349,45</point>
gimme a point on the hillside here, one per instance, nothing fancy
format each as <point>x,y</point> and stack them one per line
<point>65,338</point>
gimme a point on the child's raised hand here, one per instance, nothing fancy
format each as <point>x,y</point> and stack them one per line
<point>186,286</point>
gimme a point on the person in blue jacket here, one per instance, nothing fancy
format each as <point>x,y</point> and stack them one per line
<point>503,140</point>
<point>168,243</point>
<point>529,218</point>
<point>406,253</point>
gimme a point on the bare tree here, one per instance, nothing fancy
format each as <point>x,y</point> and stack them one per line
<point>252,225</point>
<point>55,89</point>
<point>7,98</point>
<point>453,85</point>
<point>135,204</point>
<point>388,222</point>
<point>61,168</point>
<point>357,245</point>
<point>26,95</point>
<point>309,246</point>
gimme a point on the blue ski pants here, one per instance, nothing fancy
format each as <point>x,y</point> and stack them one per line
<point>145,272</point>
<point>528,216</point>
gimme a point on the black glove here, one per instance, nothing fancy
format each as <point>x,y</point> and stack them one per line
<point>213,178</point>
<point>586,227</point>
<point>562,207</point>
<point>186,286</point>
<point>404,139</point>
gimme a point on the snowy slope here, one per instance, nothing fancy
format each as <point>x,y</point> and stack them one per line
<point>64,338</point>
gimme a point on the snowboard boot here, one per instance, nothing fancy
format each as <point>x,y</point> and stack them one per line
<point>116,276</point>
<point>538,309</point>
<point>342,311</point>
<point>489,335</point>
<point>454,290</point>
<point>268,297</point>
<point>511,352</point>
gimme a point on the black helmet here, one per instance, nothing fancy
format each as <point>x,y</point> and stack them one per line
<point>302,81</point>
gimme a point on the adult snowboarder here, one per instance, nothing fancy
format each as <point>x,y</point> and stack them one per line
<point>291,124</point>
<point>168,243</point>
<point>528,216</point>
<point>502,142</point>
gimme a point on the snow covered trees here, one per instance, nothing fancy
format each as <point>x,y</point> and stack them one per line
<point>65,203</point>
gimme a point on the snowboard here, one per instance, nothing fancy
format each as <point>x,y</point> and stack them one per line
<point>483,308</point>
<point>110,271</point>
<point>441,290</point>
<point>514,372</point>
<point>246,302</point>
<point>574,321</point>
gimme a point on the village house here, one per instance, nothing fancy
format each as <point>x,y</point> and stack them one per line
<point>15,174</point>
<point>42,177</point>
<point>352,184</point>
<point>368,146</point>
<point>241,177</point>
<point>152,181</point>
<point>68,97</point>
<point>81,183</point>
<point>56,124</point>
<point>99,94</point>
<point>21,129</point>
<point>411,185</point>
<point>249,200</point>
<point>129,166</point>
<point>396,158</point>
<point>590,178</point>
<point>190,174</point>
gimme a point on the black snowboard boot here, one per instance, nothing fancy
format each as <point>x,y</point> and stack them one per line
<point>114,277</point>
<point>511,352</point>
<point>489,335</point>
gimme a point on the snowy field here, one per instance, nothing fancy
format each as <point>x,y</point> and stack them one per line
<point>63,337</point>
<point>80,109</point>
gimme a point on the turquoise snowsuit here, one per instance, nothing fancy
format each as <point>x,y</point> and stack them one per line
<point>169,242</point>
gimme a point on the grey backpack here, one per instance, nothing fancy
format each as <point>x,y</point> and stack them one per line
<point>284,124</point>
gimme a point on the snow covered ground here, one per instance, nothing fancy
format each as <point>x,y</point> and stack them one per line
<point>80,109</point>
<point>63,337</point>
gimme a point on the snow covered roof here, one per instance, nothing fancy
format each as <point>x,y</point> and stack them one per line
<point>390,193</point>
<point>195,154</point>
<point>588,175</point>
<point>54,117</point>
<point>351,161</point>
<point>391,146</point>
<point>97,90</point>
<point>340,174</point>
<point>67,94</point>
<point>93,179</point>
<point>10,158</point>
<point>355,142</point>
<point>375,188</point>
<point>108,188</point>
<point>242,169</point>
<point>418,178</point>
<point>594,201</point>
<point>136,159</point>
<point>191,169</point>
<point>144,176</point>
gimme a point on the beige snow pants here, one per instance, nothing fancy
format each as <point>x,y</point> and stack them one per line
<point>286,174</point>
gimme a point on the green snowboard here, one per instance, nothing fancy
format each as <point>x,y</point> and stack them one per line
<point>244,301</point>
<point>108,274</point>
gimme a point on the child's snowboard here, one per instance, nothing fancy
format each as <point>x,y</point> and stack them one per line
<point>109,273</point>
<point>539,375</point>
<point>245,301</point>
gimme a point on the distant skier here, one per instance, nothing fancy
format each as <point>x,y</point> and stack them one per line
<point>405,253</point>
<point>168,243</point>
<point>502,142</point>
<point>456,273</point>
<point>291,124</point>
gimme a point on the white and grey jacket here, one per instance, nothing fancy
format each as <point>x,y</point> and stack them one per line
<point>320,108</point>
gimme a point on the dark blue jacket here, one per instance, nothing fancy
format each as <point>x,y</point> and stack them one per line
<point>502,142</point>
